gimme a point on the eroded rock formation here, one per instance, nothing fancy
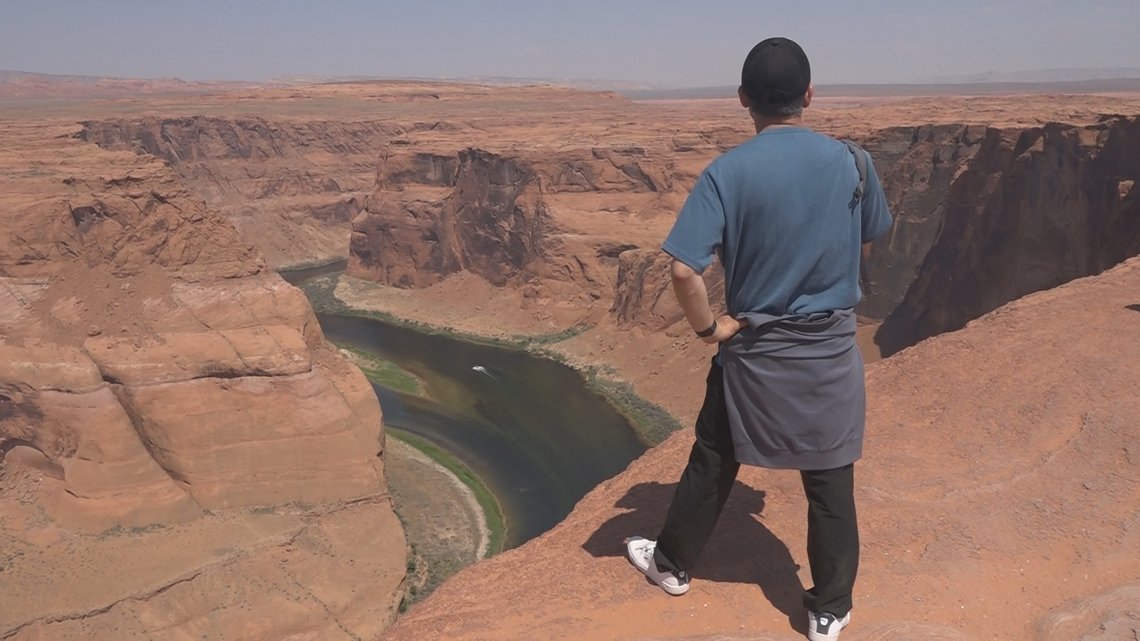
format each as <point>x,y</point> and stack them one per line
<point>289,187</point>
<point>573,214</point>
<point>984,215</point>
<point>1024,210</point>
<point>180,449</point>
<point>433,214</point>
<point>436,215</point>
<point>547,211</point>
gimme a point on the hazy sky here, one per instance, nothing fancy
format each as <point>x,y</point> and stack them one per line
<point>663,42</point>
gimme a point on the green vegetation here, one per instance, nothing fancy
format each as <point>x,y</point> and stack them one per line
<point>528,343</point>
<point>383,372</point>
<point>651,421</point>
<point>321,292</point>
<point>312,264</point>
<point>492,511</point>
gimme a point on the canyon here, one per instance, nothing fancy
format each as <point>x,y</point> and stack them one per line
<point>184,455</point>
<point>566,201</point>
<point>138,271</point>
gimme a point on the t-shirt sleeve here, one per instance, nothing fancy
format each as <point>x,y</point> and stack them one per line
<point>876,215</point>
<point>699,229</point>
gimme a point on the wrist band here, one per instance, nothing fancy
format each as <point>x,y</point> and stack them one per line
<point>708,332</point>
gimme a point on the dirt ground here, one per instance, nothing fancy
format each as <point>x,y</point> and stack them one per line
<point>443,522</point>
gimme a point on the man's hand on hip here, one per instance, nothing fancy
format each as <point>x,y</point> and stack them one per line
<point>726,328</point>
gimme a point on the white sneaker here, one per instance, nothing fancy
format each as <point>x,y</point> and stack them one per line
<point>641,555</point>
<point>824,626</point>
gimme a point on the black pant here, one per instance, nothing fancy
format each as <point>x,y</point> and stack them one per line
<point>833,533</point>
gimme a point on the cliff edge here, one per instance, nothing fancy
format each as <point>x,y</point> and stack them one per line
<point>997,499</point>
<point>181,451</point>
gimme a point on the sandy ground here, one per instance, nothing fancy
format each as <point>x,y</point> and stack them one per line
<point>442,519</point>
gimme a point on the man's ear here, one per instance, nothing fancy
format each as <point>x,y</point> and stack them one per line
<point>743,97</point>
<point>808,95</point>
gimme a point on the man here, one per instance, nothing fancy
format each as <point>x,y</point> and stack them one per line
<point>785,213</point>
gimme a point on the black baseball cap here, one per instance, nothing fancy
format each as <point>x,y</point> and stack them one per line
<point>775,72</point>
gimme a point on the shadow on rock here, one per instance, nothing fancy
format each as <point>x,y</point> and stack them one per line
<point>1135,308</point>
<point>741,549</point>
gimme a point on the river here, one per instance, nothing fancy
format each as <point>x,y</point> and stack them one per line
<point>529,427</point>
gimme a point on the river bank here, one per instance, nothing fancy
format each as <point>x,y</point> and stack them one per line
<point>449,516</point>
<point>530,428</point>
<point>443,521</point>
<point>526,436</point>
<point>352,296</point>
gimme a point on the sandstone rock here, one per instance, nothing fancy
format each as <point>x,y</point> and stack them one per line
<point>1113,614</point>
<point>181,452</point>
<point>953,189</point>
<point>644,295</point>
<point>1035,413</point>
<point>487,220</point>
<point>609,176</point>
<point>289,187</point>
<point>1030,210</point>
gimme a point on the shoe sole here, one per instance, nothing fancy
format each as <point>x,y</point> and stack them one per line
<point>644,571</point>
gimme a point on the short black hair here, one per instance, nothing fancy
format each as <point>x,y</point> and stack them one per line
<point>785,110</point>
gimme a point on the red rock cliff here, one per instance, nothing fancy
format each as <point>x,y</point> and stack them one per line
<point>551,216</point>
<point>289,187</point>
<point>1023,210</point>
<point>181,452</point>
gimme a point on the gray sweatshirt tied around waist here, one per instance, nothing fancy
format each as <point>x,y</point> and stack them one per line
<point>795,391</point>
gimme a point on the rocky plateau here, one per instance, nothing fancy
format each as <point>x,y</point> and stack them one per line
<point>169,404</point>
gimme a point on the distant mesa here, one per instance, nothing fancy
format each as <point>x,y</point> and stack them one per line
<point>24,84</point>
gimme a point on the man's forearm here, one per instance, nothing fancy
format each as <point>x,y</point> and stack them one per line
<point>692,295</point>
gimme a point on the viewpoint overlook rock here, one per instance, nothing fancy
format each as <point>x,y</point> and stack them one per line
<point>997,500</point>
<point>170,405</point>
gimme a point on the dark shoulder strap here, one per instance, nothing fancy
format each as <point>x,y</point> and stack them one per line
<point>861,165</point>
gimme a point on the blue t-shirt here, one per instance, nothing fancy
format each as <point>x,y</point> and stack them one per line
<point>780,211</point>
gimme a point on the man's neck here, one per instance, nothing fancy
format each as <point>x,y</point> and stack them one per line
<point>764,122</point>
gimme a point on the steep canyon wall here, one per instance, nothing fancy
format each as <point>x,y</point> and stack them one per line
<point>984,215</point>
<point>570,215</point>
<point>181,451</point>
<point>289,187</point>
<point>1000,213</point>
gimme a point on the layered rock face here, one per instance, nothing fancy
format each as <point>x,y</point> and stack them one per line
<point>181,452</point>
<point>984,215</point>
<point>474,211</point>
<point>547,207</point>
<point>1003,213</point>
<point>433,214</point>
<point>289,187</point>
<point>476,223</point>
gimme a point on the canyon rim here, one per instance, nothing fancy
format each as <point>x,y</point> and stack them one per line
<point>170,405</point>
